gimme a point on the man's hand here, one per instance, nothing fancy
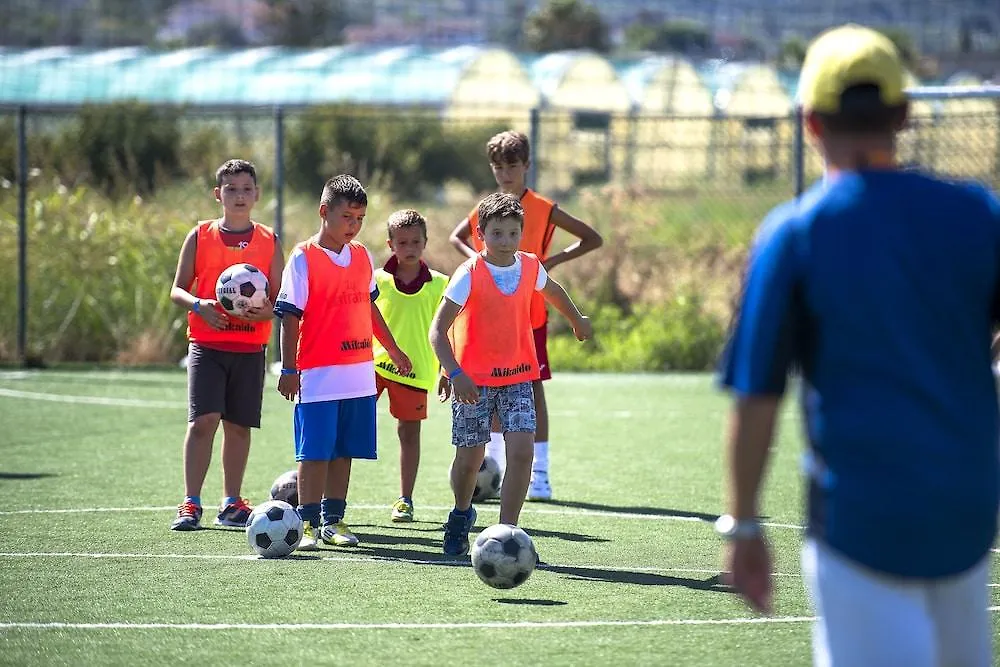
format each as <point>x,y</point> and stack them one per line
<point>748,570</point>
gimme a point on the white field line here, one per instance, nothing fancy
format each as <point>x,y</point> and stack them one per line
<point>497,625</point>
<point>91,400</point>
<point>112,401</point>
<point>432,508</point>
<point>380,560</point>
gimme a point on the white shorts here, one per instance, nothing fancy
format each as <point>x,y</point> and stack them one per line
<point>867,618</point>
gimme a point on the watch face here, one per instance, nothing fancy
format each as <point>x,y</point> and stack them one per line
<point>725,524</point>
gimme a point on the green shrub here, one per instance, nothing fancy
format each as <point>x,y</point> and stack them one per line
<point>678,335</point>
<point>99,279</point>
<point>406,156</point>
<point>129,147</point>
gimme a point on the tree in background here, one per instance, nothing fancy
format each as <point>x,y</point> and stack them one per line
<point>562,25</point>
<point>792,53</point>
<point>304,23</point>
<point>684,37</point>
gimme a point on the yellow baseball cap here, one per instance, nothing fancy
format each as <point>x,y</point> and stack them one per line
<point>850,55</point>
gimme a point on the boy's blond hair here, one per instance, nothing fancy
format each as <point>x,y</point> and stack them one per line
<point>509,146</point>
<point>406,217</point>
<point>499,206</point>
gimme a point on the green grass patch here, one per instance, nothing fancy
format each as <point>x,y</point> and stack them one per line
<point>637,473</point>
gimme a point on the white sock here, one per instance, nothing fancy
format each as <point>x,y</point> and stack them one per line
<point>496,449</point>
<point>540,464</point>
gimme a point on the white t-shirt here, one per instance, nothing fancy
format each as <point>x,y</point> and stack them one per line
<point>326,383</point>
<point>507,279</point>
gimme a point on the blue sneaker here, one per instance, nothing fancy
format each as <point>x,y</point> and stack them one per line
<point>456,533</point>
<point>188,517</point>
<point>234,515</point>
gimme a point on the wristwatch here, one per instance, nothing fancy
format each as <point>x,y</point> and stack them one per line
<point>730,528</point>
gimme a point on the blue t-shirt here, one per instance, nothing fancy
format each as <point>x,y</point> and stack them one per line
<point>881,289</point>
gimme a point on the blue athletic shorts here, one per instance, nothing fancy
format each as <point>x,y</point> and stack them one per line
<point>329,430</point>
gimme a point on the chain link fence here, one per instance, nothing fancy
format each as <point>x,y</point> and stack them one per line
<point>99,197</point>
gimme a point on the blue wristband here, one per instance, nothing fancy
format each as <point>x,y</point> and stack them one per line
<point>196,305</point>
<point>455,373</point>
<point>289,371</point>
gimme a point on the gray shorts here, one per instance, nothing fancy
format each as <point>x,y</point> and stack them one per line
<point>514,404</point>
<point>229,383</point>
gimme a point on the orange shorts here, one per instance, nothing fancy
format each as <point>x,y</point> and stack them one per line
<point>406,403</point>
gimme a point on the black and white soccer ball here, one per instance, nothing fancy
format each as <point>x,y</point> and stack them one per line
<point>504,556</point>
<point>286,488</point>
<point>274,529</point>
<point>239,287</point>
<point>488,480</point>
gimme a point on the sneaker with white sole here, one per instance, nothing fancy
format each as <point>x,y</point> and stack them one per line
<point>402,510</point>
<point>310,538</point>
<point>338,534</point>
<point>539,487</point>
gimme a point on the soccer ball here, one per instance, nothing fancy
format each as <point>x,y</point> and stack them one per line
<point>286,488</point>
<point>240,287</point>
<point>487,480</point>
<point>504,556</point>
<point>274,529</point>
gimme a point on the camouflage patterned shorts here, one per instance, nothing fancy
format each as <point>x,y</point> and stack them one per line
<point>515,404</point>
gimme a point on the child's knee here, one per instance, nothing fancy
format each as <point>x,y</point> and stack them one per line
<point>520,448</point>
<point>204,426</point>
<point>468,460</point>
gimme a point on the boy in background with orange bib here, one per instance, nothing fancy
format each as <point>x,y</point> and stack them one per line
<point>408,294</point>
<point>226,357</point>
<point>510,157</point>
<point>482,336</point>
<point>328,317</point>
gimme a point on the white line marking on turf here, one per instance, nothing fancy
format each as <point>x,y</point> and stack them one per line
<point>432,508</point>
<point>381,560</point>
<point>500,625</point>
<point>91,400</point>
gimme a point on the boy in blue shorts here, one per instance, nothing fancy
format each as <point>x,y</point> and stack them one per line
<point>328,318</point>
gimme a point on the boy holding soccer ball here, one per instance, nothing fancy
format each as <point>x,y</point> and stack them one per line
<point>226,357</point>
<point>482,336</point>
<point>408,294</point>
<point>328,318</point>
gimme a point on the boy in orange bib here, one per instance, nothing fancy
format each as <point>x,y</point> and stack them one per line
<point>226,355</point>
<point>482,336</point>
<point>328,318</point>
<point>510,157</point>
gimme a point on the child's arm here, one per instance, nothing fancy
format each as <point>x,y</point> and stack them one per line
<point>183,278</point>
<point>460,236</point>
<point>589,239</point>
<point>384,336</point>
<point>266,311</point>
<point>556,295</point>
<point>288,383</point>
<point>465,390</point>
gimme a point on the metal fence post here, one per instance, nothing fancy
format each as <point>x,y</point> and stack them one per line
<point>22,235</point>
<point>800,152</point>
<point>279,204</point>
<point>533,132</point>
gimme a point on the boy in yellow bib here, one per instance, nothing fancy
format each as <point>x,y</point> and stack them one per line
<point>408,295</point>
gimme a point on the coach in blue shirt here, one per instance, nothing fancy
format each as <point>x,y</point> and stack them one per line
<point>880,286</point>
